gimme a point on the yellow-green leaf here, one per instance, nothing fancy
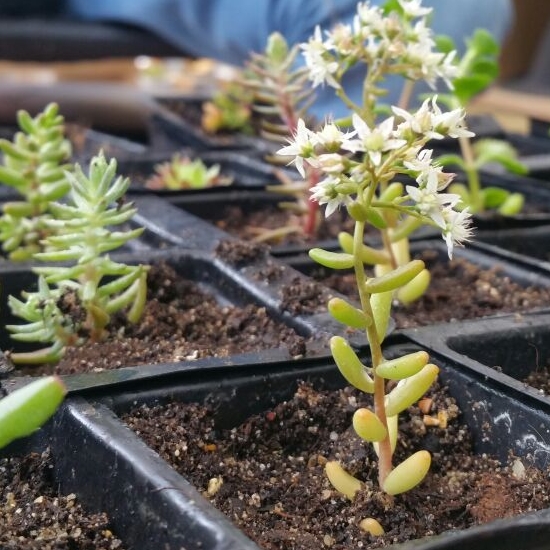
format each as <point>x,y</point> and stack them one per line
<point>351,367</point>
<point>408,474</point>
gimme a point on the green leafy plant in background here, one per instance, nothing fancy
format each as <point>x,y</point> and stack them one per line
<point>74,303</point>
<point>35,165</point>
<point>182,172</point>
<point>476,71</point>
<point>26,409</point>
<point>360,167</point>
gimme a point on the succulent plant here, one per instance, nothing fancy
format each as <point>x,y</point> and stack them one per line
<point>75,302</point>
<point>35,165</point>
<point>181,172</point>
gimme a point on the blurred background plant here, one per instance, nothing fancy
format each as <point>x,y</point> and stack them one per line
<point>34,165</point>
<point>182,172</point>
<point>476,71</point>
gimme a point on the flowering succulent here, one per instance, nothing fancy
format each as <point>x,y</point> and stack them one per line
<point>360,168</point>
<point>34,165</point>
<point>477,69</point>
<point>181,172</point>
<point>75,302</point>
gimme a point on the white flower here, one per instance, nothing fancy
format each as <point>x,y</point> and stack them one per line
<point>319,61</point>
<point>413,8</point>
<point>331,137</point>
<point>431,122</point>
<point>373,141</point>
<point>419,123</point>
<point>431,179</point>
<point>428,173</point>
<point>450,123</point>
<point>423,64</point>
<point>330,163</point>
<point>301,147</point>
<point>448,70</point>
<point>458,228</point>
<point>432,204</point>
<point>342,37</point>
<point>325,192</point>
<point>371,17</point>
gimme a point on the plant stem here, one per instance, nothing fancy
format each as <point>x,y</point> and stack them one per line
<point>406,94</point>
<point>290,119</point>
<point>474,186</point>
<point>312,215</point>
<point>384,447</point>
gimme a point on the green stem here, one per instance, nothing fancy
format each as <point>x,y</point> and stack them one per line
<point>472,174</point>
<point>384,447</point>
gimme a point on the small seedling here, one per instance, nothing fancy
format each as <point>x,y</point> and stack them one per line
<point>280,97</point>
<point>35,165</point>
<point>74,303</point>
<point>230,110</point>
<point>181,172</point>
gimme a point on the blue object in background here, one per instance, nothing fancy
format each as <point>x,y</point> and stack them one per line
<point>228,30</point>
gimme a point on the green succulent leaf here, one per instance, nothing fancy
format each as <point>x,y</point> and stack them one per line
<point>500,152</point>
<point>26,409</point>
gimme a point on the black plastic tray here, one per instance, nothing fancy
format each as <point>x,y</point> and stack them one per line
<point>245,171</point>
<point>486,401</point>
<point>172,129</point>
<point>231,284</point>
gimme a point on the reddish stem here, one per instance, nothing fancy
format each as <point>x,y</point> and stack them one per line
<point>312,214</point>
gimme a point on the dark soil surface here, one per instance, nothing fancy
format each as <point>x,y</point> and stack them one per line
<point>540,380</point>
<point>34,517</point>
<point>458,290</point>
<point>264,223</point>
<point>182,321</point>
<point>267,475</point>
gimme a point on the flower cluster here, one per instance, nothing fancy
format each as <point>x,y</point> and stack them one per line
<point>401,43</point>
<point>358,164</point>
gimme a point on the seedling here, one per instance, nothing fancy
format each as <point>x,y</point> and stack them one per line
<point>181,172</point>
<point>74,303</point>
<point>35,165</point>
<point>279,97</point>
<point>361,167</point>
<point>230,110</point>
